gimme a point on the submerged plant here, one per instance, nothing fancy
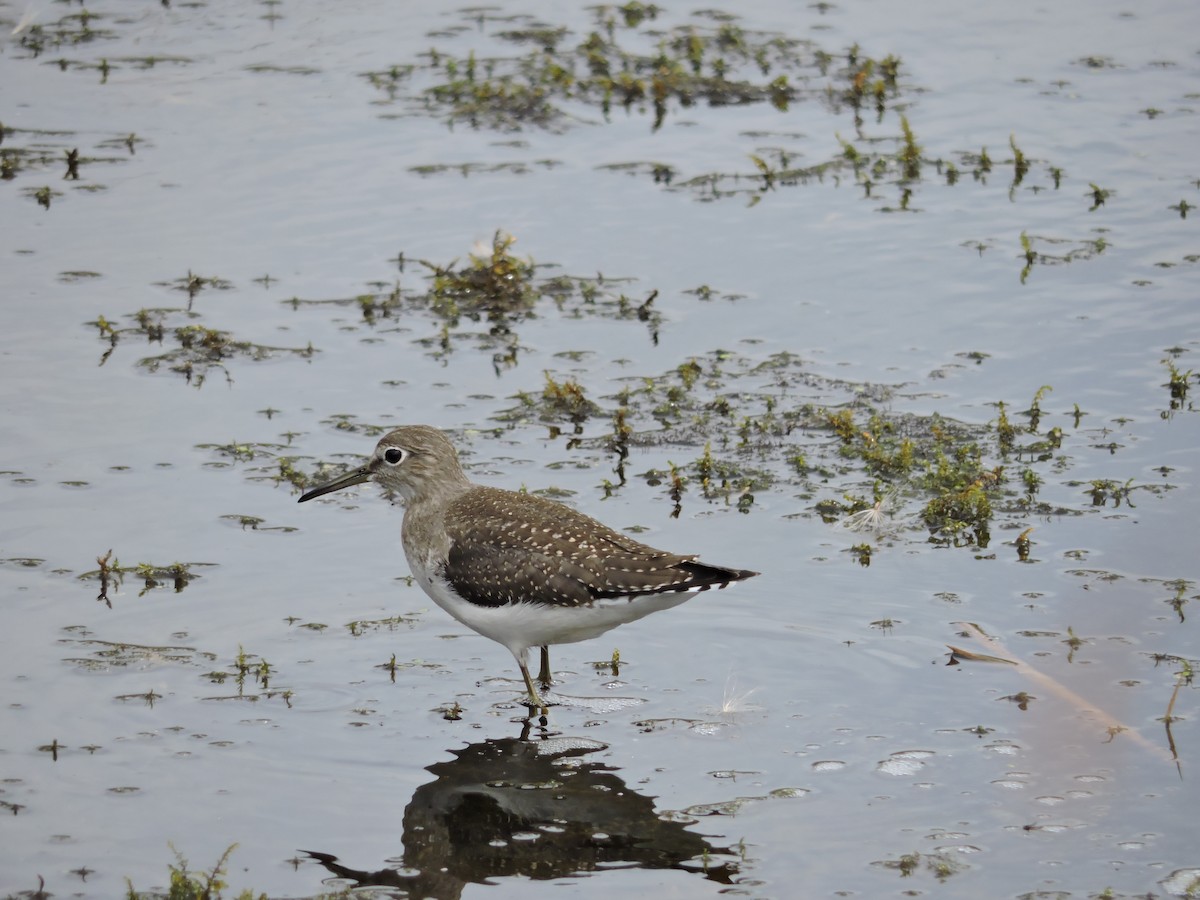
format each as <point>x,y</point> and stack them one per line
<point>1177,384</point>
<point>494,282</point>
<point>565,399</point>
<point>186,884</point>
<point>958,516</point>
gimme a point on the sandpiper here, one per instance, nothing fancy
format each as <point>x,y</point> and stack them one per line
<point>519,569</point>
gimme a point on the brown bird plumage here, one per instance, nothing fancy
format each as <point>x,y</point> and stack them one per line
<point>522,570</point>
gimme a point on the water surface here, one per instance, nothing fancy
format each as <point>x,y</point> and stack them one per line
<point>805,726</point>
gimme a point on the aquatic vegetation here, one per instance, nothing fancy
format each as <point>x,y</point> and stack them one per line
<point>389,623</point>
<point>1035,409</point>
<point>1019,162</point>
<point>105,655</point>
<point>1178,384</point>
<point>186,884</point>
<point>288,472</point>
<point>548,78</point>
<point>28,562</point>
<point>725,427</point>
<point>202,349</point>
<point>728,480</point>
<point>565,400</point>
<point>244,451</point>
<point>494,284</point>
<point>1081,250</point>
<point>910,151</point>
<point>72,29</point>
<point>470,168</point>
<point>1101,490</point>
<point>178,575</point>
<point>961,516</point>
<point>898,161</point>
<point>497,290</point>
<point>1099,195</point>
<point>941,865</point>
<point>198,348</point>
<point>610,666</point>
<point>1097,62</point>
<point>881,473</point>
<point>27,153</point>
<point>619,64</point>
<point>252,675</point>
<point>43,195</point>
<point>286,70</point>
<point>256,523</point>
<point>111,575</point>
<point>192,284</point>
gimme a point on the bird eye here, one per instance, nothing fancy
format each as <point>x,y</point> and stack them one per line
<point>393,455</point>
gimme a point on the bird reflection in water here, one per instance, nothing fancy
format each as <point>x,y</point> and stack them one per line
<point>536,809</point>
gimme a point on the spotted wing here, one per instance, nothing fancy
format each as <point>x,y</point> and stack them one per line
<point>511,548</point>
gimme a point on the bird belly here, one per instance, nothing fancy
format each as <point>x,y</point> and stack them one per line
<point>519,626</point>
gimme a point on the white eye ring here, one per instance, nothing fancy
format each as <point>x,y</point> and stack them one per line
<point>393,456</point>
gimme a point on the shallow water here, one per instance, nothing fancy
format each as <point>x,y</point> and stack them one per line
<point>803,725</point>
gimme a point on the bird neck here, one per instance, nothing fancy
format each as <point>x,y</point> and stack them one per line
<point>437,493</point>
<point>423,533</point>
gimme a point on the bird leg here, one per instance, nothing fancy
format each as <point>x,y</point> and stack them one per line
<point>544,678</point>
<point>534,699</point>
